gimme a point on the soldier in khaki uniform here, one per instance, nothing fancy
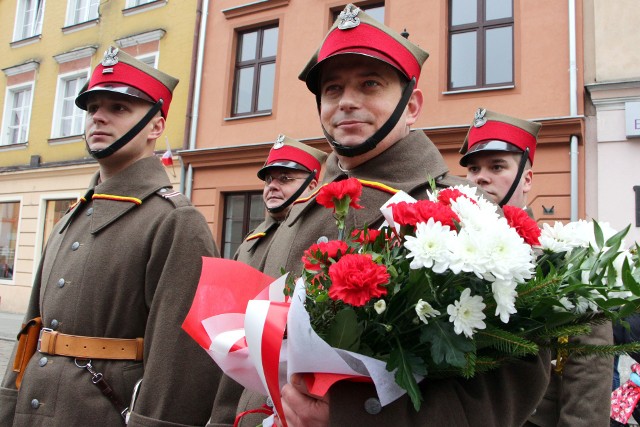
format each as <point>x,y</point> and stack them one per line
<point>364,79</point>
<point>498,153</point>
<point>291,170</point>
<point>118,276</point>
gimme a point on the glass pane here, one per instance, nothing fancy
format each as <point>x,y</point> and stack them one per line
<point>464,11</point>
<point>499,59</point>
<point>8,236</point>
<point>463,60</point>
<point>244,91</point>
<point>265,93</point>
<point>256,215</point>
<point>376,12</point>
<point>498,9</point>
<point>269,42</point>
<point>55,210</point>
<point>248,43</point>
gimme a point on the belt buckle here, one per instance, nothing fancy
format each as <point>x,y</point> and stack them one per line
<point>40,337</point>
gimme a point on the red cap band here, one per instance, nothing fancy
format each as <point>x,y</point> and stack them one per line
<point>494,130</point>
<point>131,76</point>
<point>369,40</point>
<point>293,154</point>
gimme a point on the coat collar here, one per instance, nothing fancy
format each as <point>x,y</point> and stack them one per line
<point>121,193</point>
<point>386,168</point>
<point>268,226</point>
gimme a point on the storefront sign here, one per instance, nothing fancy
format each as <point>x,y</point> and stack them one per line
<point>632,116</point>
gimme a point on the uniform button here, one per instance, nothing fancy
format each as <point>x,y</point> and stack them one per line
<point>75,246</point>
<point>35,404</point>
<point>60,283</point>
<point>43,361</point>
<point>163,190</point>
<point>322,239</point>
<point>269,402</point>
<point>54,324</point>
<point>89,211</point>
<point>372,406</point>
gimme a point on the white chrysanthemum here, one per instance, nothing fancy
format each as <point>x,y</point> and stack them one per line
<point>469,253</point>
<point>430,247</point>
<point>563,237</point>
<point>424,310</point>
<point>568,305</point>
<point>504,293</point>
<point>583,304</point>
<point>466,314</point>
<point>474,215</point>
<point>380,306</point>
<point>511,258</point>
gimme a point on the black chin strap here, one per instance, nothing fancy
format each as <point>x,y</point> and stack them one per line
<point>295,195</point>
<point>381,133</point>
<point>514,185</point>
<point>106,152</point>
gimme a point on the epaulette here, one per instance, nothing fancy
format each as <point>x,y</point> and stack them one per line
<point>176,198</point>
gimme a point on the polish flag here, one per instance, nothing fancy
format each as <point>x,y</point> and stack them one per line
<point>167,158</point>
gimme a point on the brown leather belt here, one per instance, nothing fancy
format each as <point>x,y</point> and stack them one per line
<point>55,343</point>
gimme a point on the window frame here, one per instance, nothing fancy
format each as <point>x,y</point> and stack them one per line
<point>56,125</point>
<point>480,28</point>
<point>42,212</point>
<point>20,21</point>
<point>246,217</point>
<point>13,199</point>
<point>256,64</point>
<point>145,57</point>
<point>10,94</point>
<point>135,3</point>
<point>72,10</point>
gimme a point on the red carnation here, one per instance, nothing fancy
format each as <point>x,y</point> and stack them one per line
<point>320,252</point>
<point>526,226</point>
<point>332,194</point>
<point>356,279</point>
<point>449,195</point>
<point>412,213</point>
<point>359,236</point>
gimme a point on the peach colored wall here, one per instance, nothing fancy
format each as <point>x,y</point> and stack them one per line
<point>541,45</point>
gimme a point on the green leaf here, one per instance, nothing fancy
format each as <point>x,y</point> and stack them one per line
<point>628,280</point>
<point>446,345</point>
<point>597,231</point>
<point>345,331</point>
<point>406,365</point>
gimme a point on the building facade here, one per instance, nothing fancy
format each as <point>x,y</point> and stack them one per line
<point>47,51</point>
<point>517,57</point>
<point>612,79</point>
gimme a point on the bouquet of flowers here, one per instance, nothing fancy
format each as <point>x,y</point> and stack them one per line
<point>448,287</point>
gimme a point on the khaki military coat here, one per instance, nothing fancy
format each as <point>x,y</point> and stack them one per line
<point>253,249</point>
<point>119,269</point>
<point>496,399</point>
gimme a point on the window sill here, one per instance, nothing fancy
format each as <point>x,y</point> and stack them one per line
<point>24,42</point>
<point>61,140</point>
<point>253,7</point>
<point>248,116</point>
<point>80,26</point>
<point>11,147</point>
<point>482,89</point>
<point>143,7</point>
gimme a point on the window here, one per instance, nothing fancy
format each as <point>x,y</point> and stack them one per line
<point>79,11</point>
<point>9,212</point>
<point>255,71</point>
<point>54,210</point>
<point>68,119</point>
<point>150,59</point>
<point>243,212</point>
<point>17,113</point>
<point>134,3</point>
<point>28,19</point>
<point>375,10</point>
<point>480,43</point>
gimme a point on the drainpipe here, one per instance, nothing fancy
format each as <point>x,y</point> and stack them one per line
<point>573,108</point>
<point>187,177</point>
